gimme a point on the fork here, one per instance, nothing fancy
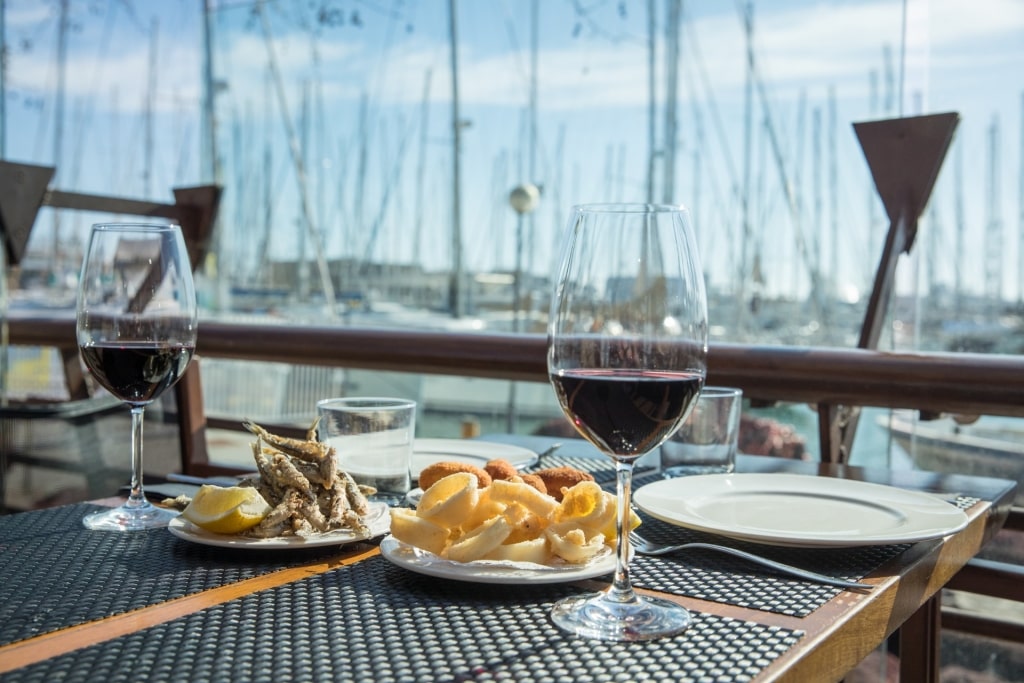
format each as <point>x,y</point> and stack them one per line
<point>646,547</point>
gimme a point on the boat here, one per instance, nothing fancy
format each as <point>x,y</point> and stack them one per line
<point>991,446</point>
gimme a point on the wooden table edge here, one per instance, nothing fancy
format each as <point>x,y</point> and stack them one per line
<point>853,633</point>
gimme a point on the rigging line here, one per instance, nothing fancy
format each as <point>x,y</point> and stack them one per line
<point>133,16</point>
<point>787,187</point>
<point>716,117</point>
<point>903,57</point>
<point>396,172</point>
<point>300,168</point>
<point>517,50</point>
<point>584,15</point>
<point>86,111</point>
<point>540,148</point>
<point>720,203</point>
<point>386,48</point>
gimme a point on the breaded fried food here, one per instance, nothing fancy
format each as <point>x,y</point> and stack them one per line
<point>439,470</point>
<point>501,469</point>
<point>557,478</point>
<point>534,481</point>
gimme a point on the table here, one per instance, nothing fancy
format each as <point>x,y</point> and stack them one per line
<point>83,605</point>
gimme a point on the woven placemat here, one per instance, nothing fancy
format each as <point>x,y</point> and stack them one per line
<point>717,577</point>
<point>97,574</point>
<point>603,469</point>
<point>373,621</point>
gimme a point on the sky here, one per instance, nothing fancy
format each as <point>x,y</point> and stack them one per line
<point>334,125</point>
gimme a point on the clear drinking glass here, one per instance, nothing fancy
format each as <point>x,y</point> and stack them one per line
<point>627,350</point>
<point>136,327</point>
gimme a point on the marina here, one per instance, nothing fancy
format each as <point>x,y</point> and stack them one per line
<point>408,167</point>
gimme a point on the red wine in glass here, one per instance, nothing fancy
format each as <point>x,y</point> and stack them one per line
<point>626,411</point>
<point>627,356</point>
<point>136,324</point>
<point>137,372</point>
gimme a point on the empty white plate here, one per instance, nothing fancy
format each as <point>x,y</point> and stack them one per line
<point>799,510</point>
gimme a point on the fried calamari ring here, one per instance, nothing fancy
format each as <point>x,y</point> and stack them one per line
<point>439,470</point>
<point>557,478</point>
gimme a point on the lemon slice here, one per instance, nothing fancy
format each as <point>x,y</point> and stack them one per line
<point>226,510</point>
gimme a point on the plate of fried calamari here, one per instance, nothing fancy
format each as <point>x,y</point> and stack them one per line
<point>299,498</point>
<point>493,571</point>
<point>495,525</point>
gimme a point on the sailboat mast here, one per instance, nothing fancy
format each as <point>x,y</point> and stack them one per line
<point>455,284</point>
<point>748,138</point>
<point>147,165</point>
<point>531,168</point>
<point>211,168</point>
<point>833,191</point>
<point>651,96</point>
<point>672,25</point>
<point>993,247</point>
<point>421,166</point>
<point>3,80</point>
<point>58,122</point>
<point>1020,210</point>
<point>961,231</point>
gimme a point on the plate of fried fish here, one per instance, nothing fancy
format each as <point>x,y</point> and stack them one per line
<point>377,523</point>
<point>300,498</point>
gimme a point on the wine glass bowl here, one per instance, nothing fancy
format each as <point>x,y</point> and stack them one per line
<point>627,354</point>
<point>136,320</point>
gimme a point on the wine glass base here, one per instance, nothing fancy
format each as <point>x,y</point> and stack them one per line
<point>597,616</point>
<point>130,518</point>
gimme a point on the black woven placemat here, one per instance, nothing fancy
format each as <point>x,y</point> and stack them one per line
<point>373,621</point>
<point>603,469</point>
<point>98,574</point>
<point>717,577</point>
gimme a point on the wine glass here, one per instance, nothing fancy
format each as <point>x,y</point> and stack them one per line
<point>627,352</point>
<point>136,328</point>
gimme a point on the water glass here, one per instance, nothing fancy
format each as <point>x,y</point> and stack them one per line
<point>373,439</point>
<point>706,443</point>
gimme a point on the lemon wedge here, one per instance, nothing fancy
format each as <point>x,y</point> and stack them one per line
<point>226,510</point>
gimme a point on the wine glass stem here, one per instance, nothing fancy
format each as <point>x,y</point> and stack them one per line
<point>621,589</point>
<point>136,497</point>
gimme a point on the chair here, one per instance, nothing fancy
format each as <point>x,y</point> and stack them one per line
<point>24,190</point>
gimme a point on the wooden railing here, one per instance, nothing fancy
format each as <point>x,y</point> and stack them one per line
<point>976,384</point>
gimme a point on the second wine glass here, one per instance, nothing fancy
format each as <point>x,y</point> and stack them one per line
<point>627,351</point>
<point>136,326</point>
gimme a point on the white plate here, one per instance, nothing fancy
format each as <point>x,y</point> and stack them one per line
<point>378,520</point>
<point>423,562</point>
<point>799,510</point>
<point>426,452</point>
